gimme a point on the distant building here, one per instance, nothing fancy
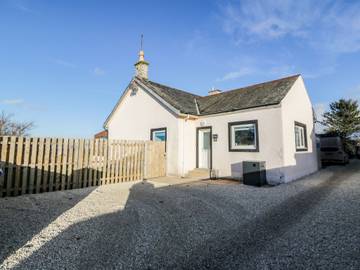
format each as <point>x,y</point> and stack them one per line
<point>101,135</point>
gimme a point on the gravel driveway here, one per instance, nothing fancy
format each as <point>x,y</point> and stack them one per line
<point>313,223</point>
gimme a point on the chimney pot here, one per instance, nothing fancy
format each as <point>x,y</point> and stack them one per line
<point>214,91</point>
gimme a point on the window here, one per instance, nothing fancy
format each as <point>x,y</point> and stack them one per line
<point>158,134</point>
<point>206,140</point>
<point>243,136</point>
<point>300,137</point>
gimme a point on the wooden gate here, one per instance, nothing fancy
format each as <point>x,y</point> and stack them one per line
<point>155,162</point>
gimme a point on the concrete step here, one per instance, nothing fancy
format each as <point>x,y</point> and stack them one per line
<point>198,173</point>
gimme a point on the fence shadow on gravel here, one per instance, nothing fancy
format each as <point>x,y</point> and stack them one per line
<point>115,239</point>
<point>96,239</point>
<point>247,240</point>
<point>21,220</point>
<point>39,180</point>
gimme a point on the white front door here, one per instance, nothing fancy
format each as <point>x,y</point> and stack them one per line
<point>204,148</point>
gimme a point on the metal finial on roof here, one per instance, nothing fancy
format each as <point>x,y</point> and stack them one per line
<point>141,53</point>
<point>141,65</point>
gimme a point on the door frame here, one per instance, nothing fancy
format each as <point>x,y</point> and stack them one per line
<point>197,145</point>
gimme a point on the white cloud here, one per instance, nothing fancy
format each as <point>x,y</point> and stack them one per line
<point>282,70</point>
<point>353,93</point>
<point>268,19</point>
<point>319,110</point>
<point>196,40</point>
<point>64,63</point>
<point>12,101</point>
<point>19,5</point>
<point>273,69</point>
<point>319,72</point>
<point>23,8</point>
<point>236,74</point>
<point>330,25</point>
<point>98,71</point>
<point>22,104</point>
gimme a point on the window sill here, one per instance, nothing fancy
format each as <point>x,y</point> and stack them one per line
<point>243,150</point>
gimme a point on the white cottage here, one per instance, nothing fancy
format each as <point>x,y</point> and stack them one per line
<point>270,121</point>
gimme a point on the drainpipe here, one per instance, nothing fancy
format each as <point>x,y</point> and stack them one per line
<point>183,148</point>
<point>211,154</point>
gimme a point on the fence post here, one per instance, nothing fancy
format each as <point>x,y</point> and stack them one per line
<point>64,164</point>
<point>9,177</point>
<point>105,146</point>
<point>24,184</point>
<point>142,162</point>
<point>4,149</point>
<point>18,161</point>
<point>52,164</point>
<point>146,160</point>
<point>34,147</point>
<point>59,155</point>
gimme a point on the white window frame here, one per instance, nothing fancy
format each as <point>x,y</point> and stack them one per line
<point>158,131</point>
<point>233,126</point>
<point>300,137</point>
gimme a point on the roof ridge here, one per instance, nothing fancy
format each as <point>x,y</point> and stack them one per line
<point>256,84</point>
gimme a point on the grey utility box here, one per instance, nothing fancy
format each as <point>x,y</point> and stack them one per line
<point>254,173</point>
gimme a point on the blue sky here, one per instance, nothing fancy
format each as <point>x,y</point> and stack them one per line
<point>64,64</point>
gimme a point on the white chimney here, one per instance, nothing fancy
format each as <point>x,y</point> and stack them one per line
<point>214,91</point>
<point>142,66</point>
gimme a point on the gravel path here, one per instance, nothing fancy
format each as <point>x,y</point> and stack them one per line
<point>313,223</point>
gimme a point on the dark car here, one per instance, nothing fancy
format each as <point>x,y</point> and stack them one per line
<point>332,150</point>
<point>358,152</point>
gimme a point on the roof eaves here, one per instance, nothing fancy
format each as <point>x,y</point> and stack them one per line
<point>156,96</point>
<point>242,109</point>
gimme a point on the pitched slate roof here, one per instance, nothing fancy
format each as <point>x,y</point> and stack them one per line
<point>179,99</point>
<point>262,94</point>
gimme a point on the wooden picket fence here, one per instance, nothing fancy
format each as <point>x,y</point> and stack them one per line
<point>35,165</point>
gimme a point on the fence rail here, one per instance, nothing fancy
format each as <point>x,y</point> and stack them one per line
<point>35,165</point>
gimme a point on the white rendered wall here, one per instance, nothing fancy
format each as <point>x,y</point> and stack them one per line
<point>229,164</point>
<point>139,113</point>
<point>187,146</point>
<point>296,106</point>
